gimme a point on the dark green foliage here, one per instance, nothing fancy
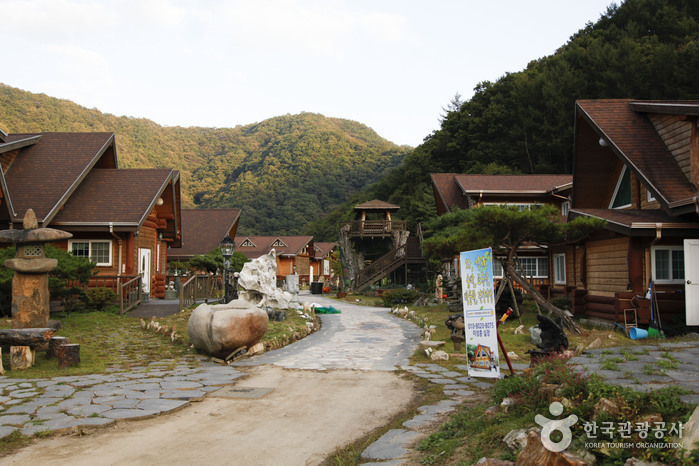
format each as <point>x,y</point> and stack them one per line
<point>96,299</point>
<point>399,296</point>
<point>524,121</point>
<point>283,172</point>
<point>66,283</point>
<point>213,261</point>
<point>562,302</point>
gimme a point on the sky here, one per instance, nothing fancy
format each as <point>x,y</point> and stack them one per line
<point>393,65</point>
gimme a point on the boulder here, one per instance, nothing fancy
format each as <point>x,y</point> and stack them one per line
<point>607,406</point>
<point>222,328</point>
<point>259,280</point>
<point>439,356</point>
<point>516,439</point>
<point>536,453</point>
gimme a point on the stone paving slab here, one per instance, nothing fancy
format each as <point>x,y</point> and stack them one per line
<point>391,445</point>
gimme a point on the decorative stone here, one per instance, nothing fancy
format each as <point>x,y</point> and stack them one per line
<point>21,357</point>
<point>220,329</point>
<point>516,439</point>
<point>440,356</point>
<point>606,406</point>
<point>30,284</point>
<point>536,453</point>
<point>434,344</point>
<point>691,432</point>
<point>259,280</point>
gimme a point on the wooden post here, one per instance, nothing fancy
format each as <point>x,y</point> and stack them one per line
<point>2,369</point>
<point>514,299</point>
<point>54,343</point>
<point>21,357</point>
<point>68,355</point>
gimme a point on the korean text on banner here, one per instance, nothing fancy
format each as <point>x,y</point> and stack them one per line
<point>479,313</point>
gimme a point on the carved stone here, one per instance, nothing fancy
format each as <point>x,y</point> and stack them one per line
<point>259,280</point>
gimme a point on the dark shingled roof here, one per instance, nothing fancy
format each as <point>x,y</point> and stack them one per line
<point>263,244</point>
<point>634,139</point>
<point>514,184</point>
<point>447,193</point>
<point>46,172</point>
<point>376,205</point>
<point>634,220</point>
<point>323,249</point>
<point>100,197</point>
<point>203,230</point>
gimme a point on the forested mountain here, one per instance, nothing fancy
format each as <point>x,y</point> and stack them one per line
<point>282,172</point>
<point>523,122</point>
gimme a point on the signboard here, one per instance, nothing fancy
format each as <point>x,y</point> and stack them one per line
<point>479,313</point>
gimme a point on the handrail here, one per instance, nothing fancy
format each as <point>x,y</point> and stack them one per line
<point>373,227</point>
<point>200,287</point>
<point>378,266</point>
<point>129,294</point>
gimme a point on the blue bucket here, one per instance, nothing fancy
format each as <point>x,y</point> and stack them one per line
<point>637,333</point>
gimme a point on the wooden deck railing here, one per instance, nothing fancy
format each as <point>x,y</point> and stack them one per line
<point>200,287</point>
<point>130,294</point>
<point>373,227</point>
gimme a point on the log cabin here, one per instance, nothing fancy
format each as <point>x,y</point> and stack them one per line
<point>321,260</point>
<point>203,230</point>
<point>294,253</point>
<point>124,220</point>
<point>636,166</point>
<point>462,191</point>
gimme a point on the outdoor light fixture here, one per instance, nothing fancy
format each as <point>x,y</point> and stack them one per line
<point>603,142</point>
<point>227,249</point>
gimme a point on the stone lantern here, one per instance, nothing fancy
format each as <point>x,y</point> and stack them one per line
<point>30,284</point>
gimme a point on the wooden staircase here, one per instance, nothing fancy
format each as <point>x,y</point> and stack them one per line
<point>411,252</point>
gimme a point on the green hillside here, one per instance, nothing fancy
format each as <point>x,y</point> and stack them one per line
<point>523,122</point>
<point>283,172</point>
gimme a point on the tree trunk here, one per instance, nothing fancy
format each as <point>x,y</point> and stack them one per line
<point>54,343</point>
<point>25,336</point>
<point>536,296</point>
<point>21,357</point>
<point>68,355</point>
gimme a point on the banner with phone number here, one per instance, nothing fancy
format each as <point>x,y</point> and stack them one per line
<point>479,313</point>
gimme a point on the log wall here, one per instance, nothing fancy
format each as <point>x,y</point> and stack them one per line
<point>607,269</point>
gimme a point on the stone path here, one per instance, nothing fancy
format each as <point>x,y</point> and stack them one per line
<point>360,338</point>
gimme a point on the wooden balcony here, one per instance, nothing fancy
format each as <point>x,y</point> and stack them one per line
<point>373,228</point>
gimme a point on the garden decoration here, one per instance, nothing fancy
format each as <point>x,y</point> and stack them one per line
<point>30,284</point>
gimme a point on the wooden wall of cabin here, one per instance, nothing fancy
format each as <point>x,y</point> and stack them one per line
<point>606,264</point>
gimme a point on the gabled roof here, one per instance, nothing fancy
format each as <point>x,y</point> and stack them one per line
<point>46,172</point>
<point>625,127</point>
<point>377,205</point>
<point>447,193</point>
<point>100,199</point>
<point>323,249</point>
<point>641,222</point>
<point>203,230</point>
<point>513,184</point>
<point>264,244</point>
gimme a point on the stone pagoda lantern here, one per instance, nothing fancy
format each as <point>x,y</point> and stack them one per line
<point>30,284</point>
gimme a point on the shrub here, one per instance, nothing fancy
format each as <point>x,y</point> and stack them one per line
<point>97,299</point>
<point>562,302</point>
<point>400,296</point>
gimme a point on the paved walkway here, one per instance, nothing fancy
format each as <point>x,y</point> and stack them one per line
<point>360,338</point>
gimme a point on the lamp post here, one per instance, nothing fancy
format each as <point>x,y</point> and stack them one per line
<point>227,248</point>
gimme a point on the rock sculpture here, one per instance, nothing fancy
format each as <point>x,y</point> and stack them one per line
<point>259,280</point>
<point>222,328</point>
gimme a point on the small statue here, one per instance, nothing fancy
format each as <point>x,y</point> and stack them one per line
<point>439,290</point>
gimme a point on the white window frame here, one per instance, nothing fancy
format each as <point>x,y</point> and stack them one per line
<point>616,191</point>
<point>559,269</point>
<point>498,270</point>
<point>90,242</point>
<point>538,272</point>
<point>565,207</point>
<point>649,196</point>
<point>671,280</point>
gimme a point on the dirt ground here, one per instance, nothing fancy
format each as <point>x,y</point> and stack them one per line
<point>306,416</point>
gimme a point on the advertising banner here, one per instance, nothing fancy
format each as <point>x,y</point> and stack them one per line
<point>479,313</point>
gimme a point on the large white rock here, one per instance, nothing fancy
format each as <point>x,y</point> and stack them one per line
<point>259,280</point>
<point>222,328</point>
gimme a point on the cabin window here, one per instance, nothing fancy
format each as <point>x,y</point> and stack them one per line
<point>534,267</point>
<point>649,196</point>
<point>518,205</point>
<point>99,252</point>
<point>668,264</point>
<point>559,269</point>
<point>278,243</point>
<point>565,208</point>
<point>497,269</point>
<point>247,244</point>
<point>622,193</point>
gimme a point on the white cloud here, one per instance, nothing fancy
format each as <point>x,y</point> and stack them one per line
<point>389,27</point>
